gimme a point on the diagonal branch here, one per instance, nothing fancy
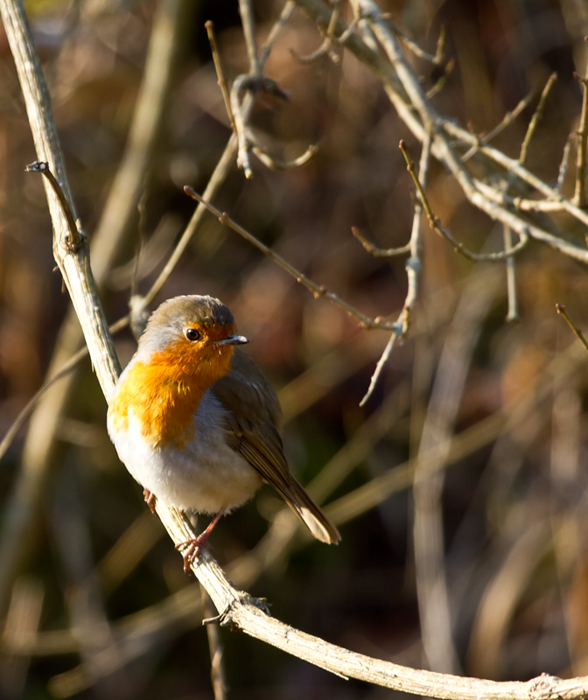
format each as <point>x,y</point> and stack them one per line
<point>316,289</point>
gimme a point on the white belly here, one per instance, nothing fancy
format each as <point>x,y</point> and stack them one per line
<point>206,476</point>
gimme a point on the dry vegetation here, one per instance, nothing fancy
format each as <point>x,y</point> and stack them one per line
<point>459,486</point>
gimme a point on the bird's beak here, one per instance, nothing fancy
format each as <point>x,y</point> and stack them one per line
<point>233,340</point>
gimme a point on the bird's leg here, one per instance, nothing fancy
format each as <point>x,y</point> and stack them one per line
<point>195,545</point>
<point>150,500</point>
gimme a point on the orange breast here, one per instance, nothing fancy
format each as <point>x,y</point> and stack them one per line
<point>163,394</point>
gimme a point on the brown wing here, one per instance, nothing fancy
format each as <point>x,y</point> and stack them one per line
<point>251,428</point>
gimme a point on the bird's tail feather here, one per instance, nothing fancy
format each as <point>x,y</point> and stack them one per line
<point>311,515</point>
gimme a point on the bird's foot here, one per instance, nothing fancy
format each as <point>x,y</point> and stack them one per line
<point>195,545</point>
<point>150,500</point>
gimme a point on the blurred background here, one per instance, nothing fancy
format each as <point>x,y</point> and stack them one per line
<point>470,561</point>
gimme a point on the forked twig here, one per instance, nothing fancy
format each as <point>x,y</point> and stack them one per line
<point>75,238</point>
<point>506,121</point>
<point>413,269</point>
<point>330,41</point>
<point>248,84</point>
<point>444,233</point>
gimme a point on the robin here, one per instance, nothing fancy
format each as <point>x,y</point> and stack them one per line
<point>196,422</point>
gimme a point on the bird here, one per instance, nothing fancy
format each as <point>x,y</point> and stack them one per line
<point>197,423</point>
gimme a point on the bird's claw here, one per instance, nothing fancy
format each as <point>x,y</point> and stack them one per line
<point>150,500</point>
<point>197,543</point>
<point>193,550</point>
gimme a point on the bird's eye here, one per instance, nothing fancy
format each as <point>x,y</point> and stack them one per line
<point>192,334</point>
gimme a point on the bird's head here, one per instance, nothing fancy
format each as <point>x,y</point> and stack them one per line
<point>191,335</point>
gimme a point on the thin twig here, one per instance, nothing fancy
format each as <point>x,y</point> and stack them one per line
<point>323,50</point>
<point>317,290</point>
<point>415,48</point>
<point>327,44</point>
<point>222,83</point>
<point>148,256</point>
<point>413,264</point>
<point>275,31</point>
<point>561,309</point>
<point>248,22</point>
<point>385,356</point>
<point>565,161</point>
<point>379,252</point>
<point>580,191</point>
<point>441,43</point>
<point>273,163</point>
<point>506,121</point>
<point>536,118</point>
<point>544,205</point>
<point>30,405</point>
<point>140,244</point>
<point>217,669</point>
<point>440,84</point>
<point>511,279</point>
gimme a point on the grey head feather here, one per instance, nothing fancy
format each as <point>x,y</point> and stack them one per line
<point>168,322</point>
